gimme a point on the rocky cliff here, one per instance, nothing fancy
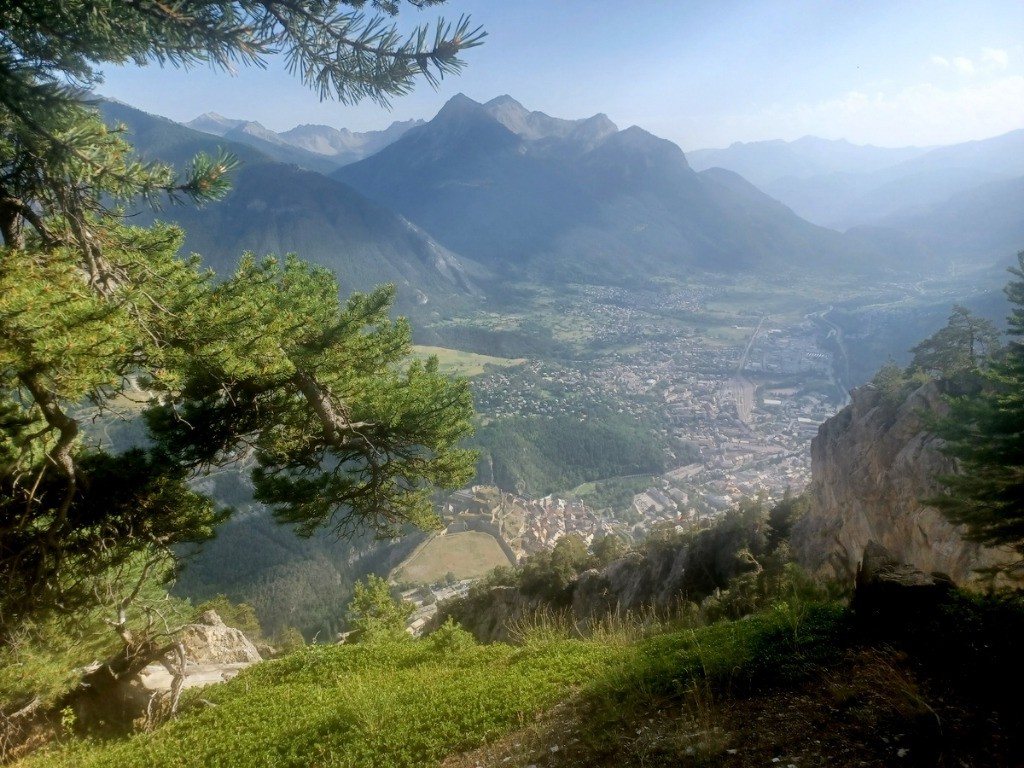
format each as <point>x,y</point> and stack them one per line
<point>872,464</point>
<point>664,577</point>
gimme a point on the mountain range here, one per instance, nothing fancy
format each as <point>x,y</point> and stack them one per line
<point>318,147</point>
<point>530,195</point>
<point>452,208</point>
<point>278,208</point>
<point>840,185</point>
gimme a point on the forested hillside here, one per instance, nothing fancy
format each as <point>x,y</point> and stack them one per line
<point>539,455</point>
<point>276,208</point>
<point>290,582</point>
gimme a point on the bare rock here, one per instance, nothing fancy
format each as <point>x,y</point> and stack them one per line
<point>211,641</point>
<point>872,464</point>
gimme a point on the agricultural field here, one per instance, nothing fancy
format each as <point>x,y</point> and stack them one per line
<point>467,555</point>
<point>458,363</point>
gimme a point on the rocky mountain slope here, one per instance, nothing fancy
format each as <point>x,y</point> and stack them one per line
<point>280,208</point>
<point>317,147</point>
<point>528,194</point>
<point>661,578</point>
<point>872,464</point>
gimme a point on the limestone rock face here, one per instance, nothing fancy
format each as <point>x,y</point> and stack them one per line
<point>871,465</point>
<point>663,577</point>
<point>211,641</point>
<point>506,612</point>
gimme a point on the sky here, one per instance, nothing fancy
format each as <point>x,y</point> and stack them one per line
<point>701,73</point>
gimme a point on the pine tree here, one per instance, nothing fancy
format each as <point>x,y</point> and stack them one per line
<point>961,346</point>
<point>985,433</point>
<point>100,321</point>
<point>374,615</point>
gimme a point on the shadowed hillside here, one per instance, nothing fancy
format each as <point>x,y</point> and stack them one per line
<point>572,199</point>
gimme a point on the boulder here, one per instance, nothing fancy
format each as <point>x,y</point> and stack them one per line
<point>211,641</point>
<point>891,595</point>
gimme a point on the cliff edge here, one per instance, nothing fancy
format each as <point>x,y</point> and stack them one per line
<point>871,465</point>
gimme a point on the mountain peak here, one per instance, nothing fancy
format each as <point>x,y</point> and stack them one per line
<point>211,122</point>
<point>255,129</point>
<point>537,125</point>
<point>459,104</point>
<point>637,137</point>
<point>503,100</point>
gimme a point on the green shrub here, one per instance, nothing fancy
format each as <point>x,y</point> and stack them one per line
<point>414,703</point>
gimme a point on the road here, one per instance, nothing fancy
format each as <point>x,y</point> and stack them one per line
<point>840,370</point>
<point>739,388</point>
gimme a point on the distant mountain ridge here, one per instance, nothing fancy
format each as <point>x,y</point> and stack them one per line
<point>344,144</point>
<point>537,125</point>
<point>840,185</point>
<point>519,193</point>
<point>279,208</point>
<point>327,147</point>
<point>764,162</point>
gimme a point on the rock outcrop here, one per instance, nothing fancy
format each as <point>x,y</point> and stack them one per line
<point>136,689</point>
<point>662,578</point>
<point>872,464</point>
<point>214,652</point>
<point>211,641</point>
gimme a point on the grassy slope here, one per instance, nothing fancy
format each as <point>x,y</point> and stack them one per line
<point>415,703</point>
<point>800,683</point>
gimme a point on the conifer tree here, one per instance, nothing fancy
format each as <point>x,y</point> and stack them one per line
<point>99,320</point>
<point>374,615</point>
<point>985,433</point>
<point>961,346</point>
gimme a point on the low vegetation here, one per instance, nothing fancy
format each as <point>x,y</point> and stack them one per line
<point>766,663</point>
<point>800,678</point>
<point>419,701</point>
<point>541,455</point>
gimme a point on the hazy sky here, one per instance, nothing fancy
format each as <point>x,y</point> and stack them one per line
<point>702,73</point>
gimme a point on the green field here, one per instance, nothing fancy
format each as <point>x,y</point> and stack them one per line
<point>467,555</point>
<point>459,363</point>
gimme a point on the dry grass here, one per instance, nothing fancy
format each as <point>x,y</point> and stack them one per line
<point>467,555</point>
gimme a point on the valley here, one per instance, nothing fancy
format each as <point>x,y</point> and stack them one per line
<point>725,387</point>
<point>648,340</point>
<point>632,410</point>
<point>484,436</point>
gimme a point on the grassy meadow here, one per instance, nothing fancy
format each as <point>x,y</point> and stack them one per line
<point>416,702</point>
<point>458,363</point>
<point>467,555</point>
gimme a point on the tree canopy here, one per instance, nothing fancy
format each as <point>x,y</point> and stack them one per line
<point>985,433</point>
<point>961,346</point>
<point>99,320</point>
<point>374,615</point>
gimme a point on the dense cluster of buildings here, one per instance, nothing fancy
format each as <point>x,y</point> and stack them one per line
<point>749,398</point>
<point>744,399</point>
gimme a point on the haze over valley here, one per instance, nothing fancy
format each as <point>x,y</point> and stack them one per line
<point>651,335</point>
<point>525,385</point>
